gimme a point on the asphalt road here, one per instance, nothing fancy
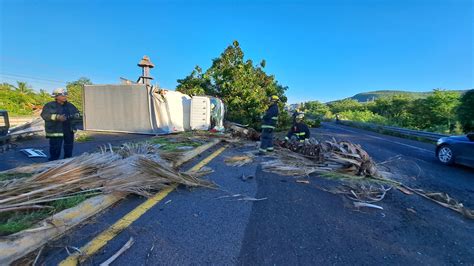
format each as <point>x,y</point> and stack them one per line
<point>412,162</point>
<point>306,226</point>
<point>296,223</point>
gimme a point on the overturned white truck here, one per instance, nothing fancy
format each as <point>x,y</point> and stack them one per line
<point>145,109</point>
<point>139,107</point>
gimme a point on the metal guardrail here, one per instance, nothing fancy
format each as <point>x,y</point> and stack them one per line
<point>19,120</point>
<point>403,131</point>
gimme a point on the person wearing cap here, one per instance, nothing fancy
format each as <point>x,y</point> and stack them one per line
<point>299,130</point>
<point>60,117</point>
<point>269,121</point>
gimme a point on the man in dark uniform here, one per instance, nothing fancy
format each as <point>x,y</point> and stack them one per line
<point>269,121</point>
<point>60,118</point>
<point>299,130</point>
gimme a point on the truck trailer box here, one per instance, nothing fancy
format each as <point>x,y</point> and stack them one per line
<point>140,108</point>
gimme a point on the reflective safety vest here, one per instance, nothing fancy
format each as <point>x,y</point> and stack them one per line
<point>300,131</point>
<point>270,118</point>
<point>50,113</point>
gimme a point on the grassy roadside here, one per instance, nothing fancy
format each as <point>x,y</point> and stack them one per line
<point>82,136</point>
<point>173,145</point>
<point>16,221</point>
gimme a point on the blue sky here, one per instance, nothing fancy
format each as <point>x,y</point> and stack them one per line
<point>322,50</point>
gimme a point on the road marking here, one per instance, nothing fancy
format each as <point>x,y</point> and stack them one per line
<point>101,240</point>
<point>379,138</point>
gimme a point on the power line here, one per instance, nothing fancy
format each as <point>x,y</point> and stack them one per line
<point>28,62</point>
<point>34,83</point>
<point>33,78</point>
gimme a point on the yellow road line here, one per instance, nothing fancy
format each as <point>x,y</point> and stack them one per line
<point>101,240</point>
<point>208,159</point>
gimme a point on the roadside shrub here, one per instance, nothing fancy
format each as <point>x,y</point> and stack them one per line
<point>312,123</point>
<point>365,116</point>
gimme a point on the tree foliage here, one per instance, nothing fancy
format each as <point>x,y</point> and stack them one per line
<point>23,87</point>
<point>241,84</point>
<point>465,111</point>
<point>75,89</point>
<point>441,111</point>
<point>315,112</point>
<point>396,108</point>
<point>365,116</point>
<point>195,83</point>
<point>315,109</point>
<point>21,99</point>
<point>442,107</point>
<point>346,105</point>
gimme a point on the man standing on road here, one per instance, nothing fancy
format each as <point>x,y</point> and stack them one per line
<point>60,118</point>
<point>269,121</point>
<point>299,130</point>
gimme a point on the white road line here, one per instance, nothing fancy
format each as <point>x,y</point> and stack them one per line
<point>374,137</point>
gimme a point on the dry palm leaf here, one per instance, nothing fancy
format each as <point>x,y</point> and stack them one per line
<point>35,168</point>
<point>367,192</point>
<point>297,158</point>
<point>239,160</point>
<point>240,131</point>
<point>133,168</point>
<point>369,205</point>
<point>171,156</point>
<point>446,201</point>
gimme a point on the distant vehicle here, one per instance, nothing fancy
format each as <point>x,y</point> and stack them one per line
<point>456,149</point>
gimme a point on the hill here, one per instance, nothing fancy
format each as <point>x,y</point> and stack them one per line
<point>372,95</point>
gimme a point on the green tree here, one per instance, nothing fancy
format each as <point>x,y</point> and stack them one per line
<point>437,112</point>
<point>465,111</point>
<point>195,83</point>
<point>316,108</point>
<point>43,97</point>
<point>315,112</point>
<point>44,94</point>
<point>243,86</point>
<point>421,116</point>
<point>396,108</point>
<point>442,106</point>
<point>346,105</point>
<point>74,90</point>
<point>365,116</point>
<point>6,86</point>
<point>22,101</point>
<point>23,87</point>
